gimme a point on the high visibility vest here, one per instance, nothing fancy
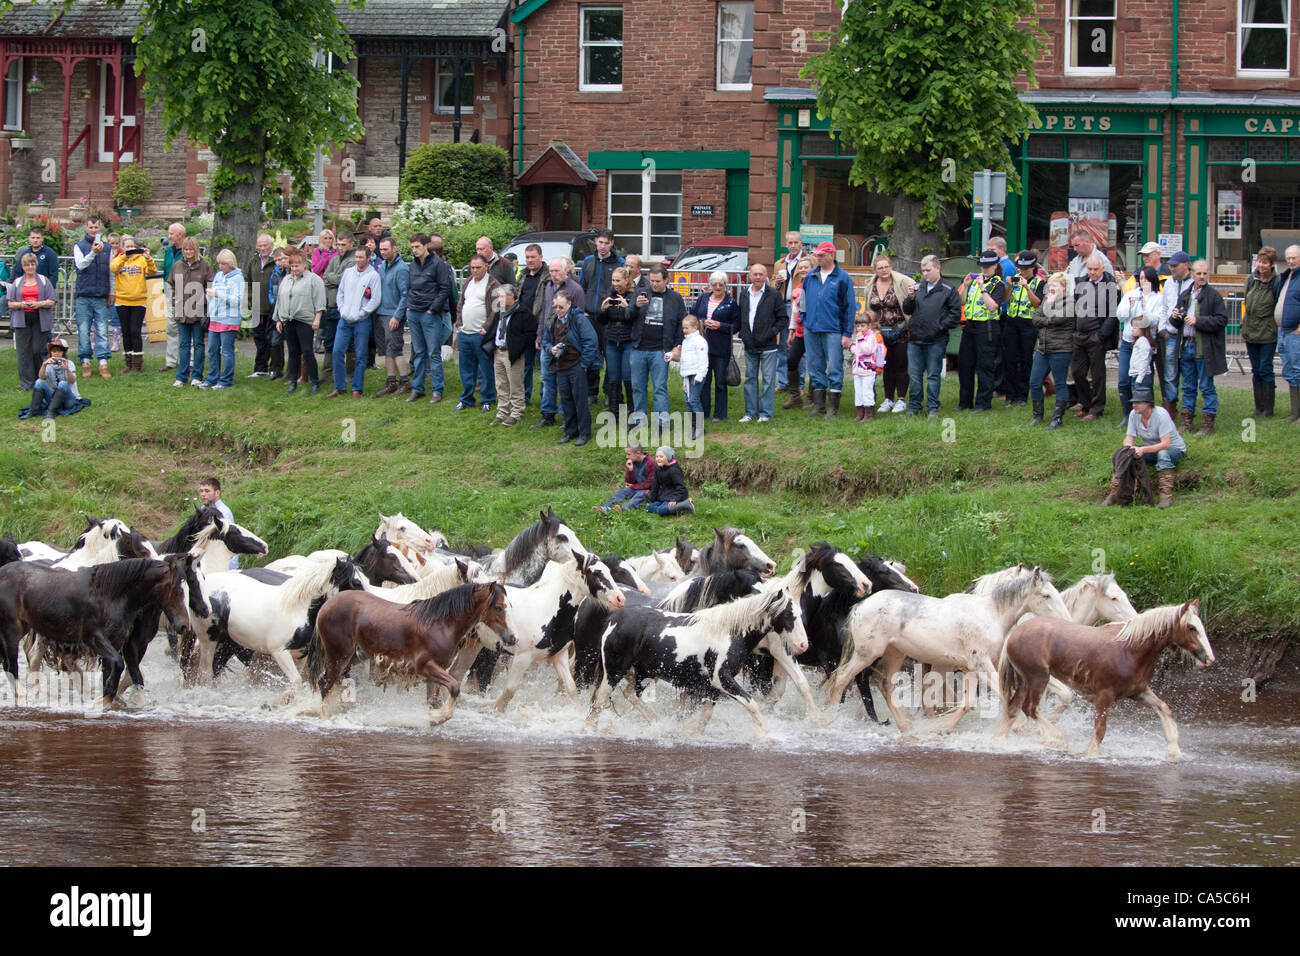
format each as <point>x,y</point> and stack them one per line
<point>1019,307</point>
<point>976,310</point>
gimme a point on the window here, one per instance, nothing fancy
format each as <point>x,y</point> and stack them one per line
<point>646,216</point>
<point>1090,36</point>
<point>13,96</point>
<point>1263,37</point>
<point>602,49</point>
<point>735,45</point>
<point>446,102</point>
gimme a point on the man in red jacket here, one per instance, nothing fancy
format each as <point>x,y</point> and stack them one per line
<point>637,481</point>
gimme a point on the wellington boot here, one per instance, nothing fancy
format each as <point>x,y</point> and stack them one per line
<point>819,403</point>
<point>1270,395</point>
<point>1058,416</point>
<point>1207,425</point>
<point>795,400</point>
<point>1258,389</point>
<point>1295,404</point>
<point>1038,413</point>
<point>833,404</point>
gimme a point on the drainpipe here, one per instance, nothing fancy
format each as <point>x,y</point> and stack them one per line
<point>1173,119</point>
<point>519,128</point>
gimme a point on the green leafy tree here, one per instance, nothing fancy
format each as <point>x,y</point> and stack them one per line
<point>924,91</point>
<point>475,173</point>
<point>246,79</point>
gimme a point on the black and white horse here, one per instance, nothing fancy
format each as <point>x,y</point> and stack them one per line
<point>105,540</point>
<point>213,537</point>
<point>730,550</point>
<point>699,652</point>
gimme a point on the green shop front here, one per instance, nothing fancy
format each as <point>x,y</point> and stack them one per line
<point>1100,167</point>
<point>1241,165</point>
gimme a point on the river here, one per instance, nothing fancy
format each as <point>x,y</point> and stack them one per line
<point>224,775</point>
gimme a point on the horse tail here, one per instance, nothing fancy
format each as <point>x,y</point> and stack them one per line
<point>1009,678</point>
<point>847,644</point>
<point>316,656</point>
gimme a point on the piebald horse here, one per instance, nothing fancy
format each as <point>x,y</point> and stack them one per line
<point>214,538</point>
<point>959,632</point>
<point>1104,664</point>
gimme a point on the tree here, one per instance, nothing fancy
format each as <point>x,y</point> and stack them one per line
<point>923,90</point>
<point>246,80</point>
<point>474,173</point>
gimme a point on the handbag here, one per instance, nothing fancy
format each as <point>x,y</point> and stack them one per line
<point>733,372</point>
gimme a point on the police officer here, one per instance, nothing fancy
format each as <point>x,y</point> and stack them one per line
<point>983,295</point>
<point>1018,332</point>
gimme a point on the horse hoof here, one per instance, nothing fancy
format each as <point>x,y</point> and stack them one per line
<point>1173,753</point>
<point>101,703</point>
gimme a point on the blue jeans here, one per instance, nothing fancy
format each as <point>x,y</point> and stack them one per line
<point>1164,460</point>
<point>715,400</point>
<point>221,357</point>
<point>1288,343</point>
<point>760,404</point>
<point>92,314</point>
<point>782,356</point>
<point>1124,387</point>
<point>475,369</point>
<point>189,354</point>
<point>356,336</point>
<point>47,393</point>
<point>1169,370</point>
<point>1261,362</point>
<point>572,386</point>
<point>1194,376</point>
<point>618,367</point>
<point>426,348</point>
<point>925,364</point>
<point>550,394</point>
<point>530,362</point>
<point>694,386</point>
<point>649,365</point>
<point>630,499</point>
<point>659,508</point>
<point>1058,363</point>
<point>825,359</point>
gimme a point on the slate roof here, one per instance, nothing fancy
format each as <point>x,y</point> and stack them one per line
<point>403,18</point>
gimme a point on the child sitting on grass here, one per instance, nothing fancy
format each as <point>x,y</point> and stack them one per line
<point>668,494</point>
<point>637,481</point>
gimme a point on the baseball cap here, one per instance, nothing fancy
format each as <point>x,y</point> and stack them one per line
<point>1178,257</point>
<point>989,258</point>
<point>826,248</point>
<point>1149,247</point>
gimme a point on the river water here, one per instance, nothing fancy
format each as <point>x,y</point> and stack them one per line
<point>225,775</point>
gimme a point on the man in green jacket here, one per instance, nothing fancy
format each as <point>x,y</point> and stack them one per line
<point>171,256</point>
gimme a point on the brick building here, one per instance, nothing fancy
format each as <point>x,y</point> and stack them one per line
<point>85,117</point>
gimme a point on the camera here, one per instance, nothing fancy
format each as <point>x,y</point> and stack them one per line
<point>561,348</point>
<point>56,373</point>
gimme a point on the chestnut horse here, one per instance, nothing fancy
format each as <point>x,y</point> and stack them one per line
<point>1103,664</point>
<point>419,638</point>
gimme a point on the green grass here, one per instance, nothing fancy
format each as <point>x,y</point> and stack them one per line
<point>994,494</point>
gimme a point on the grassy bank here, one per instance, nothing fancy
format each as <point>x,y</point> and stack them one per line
<point>953,498</point>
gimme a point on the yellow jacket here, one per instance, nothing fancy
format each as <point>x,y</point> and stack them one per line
<point>130,273</point>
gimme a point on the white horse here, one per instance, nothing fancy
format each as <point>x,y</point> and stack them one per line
<point>98,544</point>
<point>535,611</point>
<point>413,542</point>
<point>1098,597</point>
<point>958,632</point>
<point>269,619</point>
<point>657,566</point>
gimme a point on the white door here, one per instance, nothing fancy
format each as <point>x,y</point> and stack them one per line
<point>109,129</point>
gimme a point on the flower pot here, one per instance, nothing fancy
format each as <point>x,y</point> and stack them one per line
<point>128,212</point>
<point>25,142</point>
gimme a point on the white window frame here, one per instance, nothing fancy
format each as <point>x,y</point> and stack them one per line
<point>443,69</point>
<point>1285,27</point>
<point>1071,26</point>
<point>741,41</point>
<point>9,84</point>
<point>647,214</point>
<point>584,45</point>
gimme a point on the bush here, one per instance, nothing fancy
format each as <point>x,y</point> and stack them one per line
<point>458,243</point>
<point>428,215</point>
<point>474,173</point>
<point>134,186</point>
<point>355,215</point>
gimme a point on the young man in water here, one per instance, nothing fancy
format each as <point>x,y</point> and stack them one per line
<point>210,494</point>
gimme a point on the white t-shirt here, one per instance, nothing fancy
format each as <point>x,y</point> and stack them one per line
<point>473,310</point>
<point>1156,429</point>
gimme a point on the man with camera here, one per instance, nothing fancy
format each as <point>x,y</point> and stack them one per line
<point>91,257</point>
<point>1201,319</point>
<point>1096,331</point>
<point>983,293</point>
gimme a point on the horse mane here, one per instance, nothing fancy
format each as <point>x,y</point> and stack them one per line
<point>1098,582</point>
<point>712,590</point>
<point>731,617</point>
<point>200,538</point>
<point>1008,587</point>
<point>435,582</point>
<point>430,611</point>
<point>707,553</point>
<point>527,542</point>
<point>114,578</point>
<point>1150,625</point>
<point>185,535</point>
<point>307,583</point>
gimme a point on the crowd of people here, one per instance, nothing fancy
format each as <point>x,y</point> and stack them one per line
<point>1026,335</point>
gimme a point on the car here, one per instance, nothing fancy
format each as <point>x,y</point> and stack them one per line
<point>576,245</point>
<point>690,271</point>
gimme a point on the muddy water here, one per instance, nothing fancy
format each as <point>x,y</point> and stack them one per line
<point>224,776</point>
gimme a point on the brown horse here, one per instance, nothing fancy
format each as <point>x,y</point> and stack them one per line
<point>418,639</point>
<point>1103,664</point>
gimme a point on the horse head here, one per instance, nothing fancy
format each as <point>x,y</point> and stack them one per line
<point>787,623</point>
<point>561,541</point>
<point>238,539</point>
<point>177,595</point>
<point>887,575</point>
<point>669,568</point>
<point>1043,598</point>
<point>599,582</point>
<point>494,613</point>
<point>828,568</point>
<point>344,576</point>
<point>402,530</point>
<point>1113,603</point>
<point>623,573</point>
<point>1190,634</point>
<point>686,555</point>
<point>750,554</point>
<point>382,563</point>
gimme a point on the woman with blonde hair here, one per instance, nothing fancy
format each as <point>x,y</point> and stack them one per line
<point>131,269</point>
<point>227,295</point>
<point>795,354</point>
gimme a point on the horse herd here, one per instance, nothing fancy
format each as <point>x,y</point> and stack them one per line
<point>713,622</point>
